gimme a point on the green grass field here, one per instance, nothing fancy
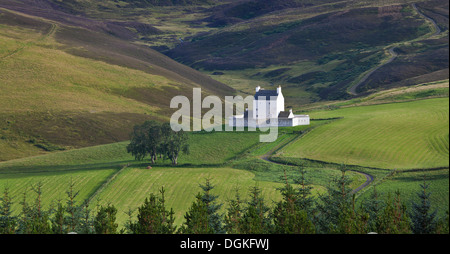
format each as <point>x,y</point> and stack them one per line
<point>55,184</point>
<point>392,136</point>
<point>133,185</point>
<point>64,87</point>
<point>97,175</point>
<point>91,167</point>
<point>378,135</point>
<point>408,183</point>
<point>203,151</point>
<point>98,172</point>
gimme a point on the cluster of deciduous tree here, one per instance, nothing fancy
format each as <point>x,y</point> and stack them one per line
<point>154,139</point>
<point>297,213</point>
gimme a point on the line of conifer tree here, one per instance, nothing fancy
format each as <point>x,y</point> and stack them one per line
<point>297,213</point>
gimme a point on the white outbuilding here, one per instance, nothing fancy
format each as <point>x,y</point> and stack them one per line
<point>268,110</point>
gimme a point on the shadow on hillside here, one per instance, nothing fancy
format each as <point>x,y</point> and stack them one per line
<point>17,171</point>
<point>23,170</point>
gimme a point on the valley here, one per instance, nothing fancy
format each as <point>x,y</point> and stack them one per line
<point>101,173</point>
<point>76,77</point>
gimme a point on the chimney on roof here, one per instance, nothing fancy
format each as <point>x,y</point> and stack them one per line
<point>258,88</point>
<point>279,90</point>
<point>290,110</point>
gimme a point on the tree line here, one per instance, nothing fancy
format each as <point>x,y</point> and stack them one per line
<point>298,212</point>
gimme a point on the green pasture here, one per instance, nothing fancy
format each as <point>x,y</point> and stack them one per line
<point>133,185</point>
<point>204,149</point>
<point>89,168</point>
<point>392,136</point>
<point>232,160</point>
<point>408,183</point>
<point>99,173</point>
<point>317,175</point>
<point>55,184</point>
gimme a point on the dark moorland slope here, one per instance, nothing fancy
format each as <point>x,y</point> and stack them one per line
<point>257,36</point>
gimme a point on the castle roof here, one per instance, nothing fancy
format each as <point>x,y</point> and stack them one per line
<point>266,93</point>
<point>285,114</point>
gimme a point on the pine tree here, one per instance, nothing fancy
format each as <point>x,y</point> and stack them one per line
<point>8,222</point>
<point>305,201</point>
<point>41,217</point>
<point>105,220</point>
<point>86,224</point>
<point>196,218</point>
<point>129,224</point>
<point>330,207</point>
<point>394,219</point>
<point>352,221</point>
<point>373,206</point>
<point>255,219</point>
<point>34,219</point>
<point>233,218</point>
<point>423,220</point>
<point>153,218</point>
<point>24,225</point>
<point>73,211</point>
<point>210,200</point>
<point>288,217</point>
<point>58,225</point>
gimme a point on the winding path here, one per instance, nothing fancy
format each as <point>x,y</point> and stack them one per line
<point>14,52</point>
<point>437,30</point>
<point>352,90</point>
<point>266,157</point>
<point>394,55</point>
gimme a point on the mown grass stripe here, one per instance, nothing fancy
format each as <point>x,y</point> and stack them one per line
<point>388,136</point>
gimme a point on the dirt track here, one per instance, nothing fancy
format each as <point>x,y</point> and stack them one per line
<point>352,89</point>
<point>394,55</point>
<point>266,157</point>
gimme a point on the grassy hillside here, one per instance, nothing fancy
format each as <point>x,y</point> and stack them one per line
<point>394,136</point>
<point>203,151</point>
<point>98,174</point>
<point>425,59</point>
<point>133,185</point>
<point>81,73</point>
<point>90,168</point>
<point>64,87</point>
<point>76,76</point>
<point>408,184</point>
<point>54,185</point>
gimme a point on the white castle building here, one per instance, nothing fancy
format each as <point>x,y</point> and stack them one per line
<point>268,110</point>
